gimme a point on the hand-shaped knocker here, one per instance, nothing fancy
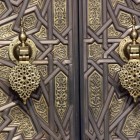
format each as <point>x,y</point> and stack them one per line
<point>24,78</point>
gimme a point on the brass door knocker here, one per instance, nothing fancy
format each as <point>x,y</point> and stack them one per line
<point>24,78</point>
<point>129,51</point>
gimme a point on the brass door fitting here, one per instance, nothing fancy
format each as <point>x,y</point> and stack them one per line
<point>24,77</point>
<point>129,51</point>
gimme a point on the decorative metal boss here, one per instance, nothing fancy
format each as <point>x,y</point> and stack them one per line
<point>24,78</point>
<point>129,51</point>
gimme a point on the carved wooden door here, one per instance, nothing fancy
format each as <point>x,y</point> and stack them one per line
<point>52,111</point>
<point>108,112</point>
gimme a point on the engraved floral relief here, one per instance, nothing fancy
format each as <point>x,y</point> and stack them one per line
<point>60,51</point>
<point>42,34</point>
<point>6,31</point>
<point>115,108</point>
<point>125,19</point>
<point>23,123</point>
<point>112,32</point>
<point>3,97</point>
<point>60,14</point>
<point>95,93</point>
<point>115,2</point>
<point>95,51</point>
<point>41,108</point>
<point>2,7</point>
<point>132,122</point>
<point>61,94</point>
<point>29,21</point>
<point>94,14</point>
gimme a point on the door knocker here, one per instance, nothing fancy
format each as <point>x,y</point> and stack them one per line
<point>129,51</point>
<point>24,77</point>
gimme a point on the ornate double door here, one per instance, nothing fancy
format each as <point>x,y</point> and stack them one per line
<point>79,95</point>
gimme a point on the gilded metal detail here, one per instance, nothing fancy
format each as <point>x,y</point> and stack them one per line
<point>60,51</point>
<point>23,123</point>
<point>112,32</point>
<point>113,69</point>
<point>132,123</point>
<point>130,74</point>
<point>42,34</point>
<point>3,136</point>
<point>95,93</point>
<point>4,52</point>
<point>94,14</point>
<point>115,2</point>
<point>125,19</point>
<point>14,50</point>
<point>2,7</point>
<point>3,98</point>
<point>42,108</point>
<point>60,14</point>
<point>115,108</point>
<point>24,78</point>
<point>4,72</point>
<point>43,70</point>
<point>6,31</point>
<point>130,78</point>
<point>95,51</point>
<point>36,2</point>
<point>1,120</point>
<point>29,21</point>
<point>61,94</point>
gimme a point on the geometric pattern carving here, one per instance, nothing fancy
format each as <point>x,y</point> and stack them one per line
<point>4,52</point>
<point>36,2</point>
<point>113,69</point>
<point>132,123</point>
<point>115,108</point>
<point>30,21</point>
<point>6,31</point>
<point>4,72</point>
<point>115,2</point>
<point>60,14</point>
<point>42,33</point>
<point>23,123</point>
<point>3,97</point>
<point>1,119</point>
<point>95,51</point>
<point>2,8</point>
<point>3,136</point>
<point>95,93</point>
<point>43,70</point>
<point>61,94</point>
<point>125,19</point>
<point>112,32</point>
<point>42,108</point>
<point>94,14</point>
<point>60,51</point>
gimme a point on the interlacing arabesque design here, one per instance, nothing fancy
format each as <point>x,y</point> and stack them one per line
<point>108,22</point>
<point>61,93</point>
<point>95,90</point>
<point>132,123</point>
<point>48,107</point>
<point>23,121</point>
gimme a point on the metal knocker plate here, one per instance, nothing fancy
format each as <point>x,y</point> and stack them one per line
<point>129,51</point>
<point>24,77</point>
<point>130,78</point>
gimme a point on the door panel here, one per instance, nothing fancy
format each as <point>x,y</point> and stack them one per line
<point>51,112</point>
<point>108,112</point>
